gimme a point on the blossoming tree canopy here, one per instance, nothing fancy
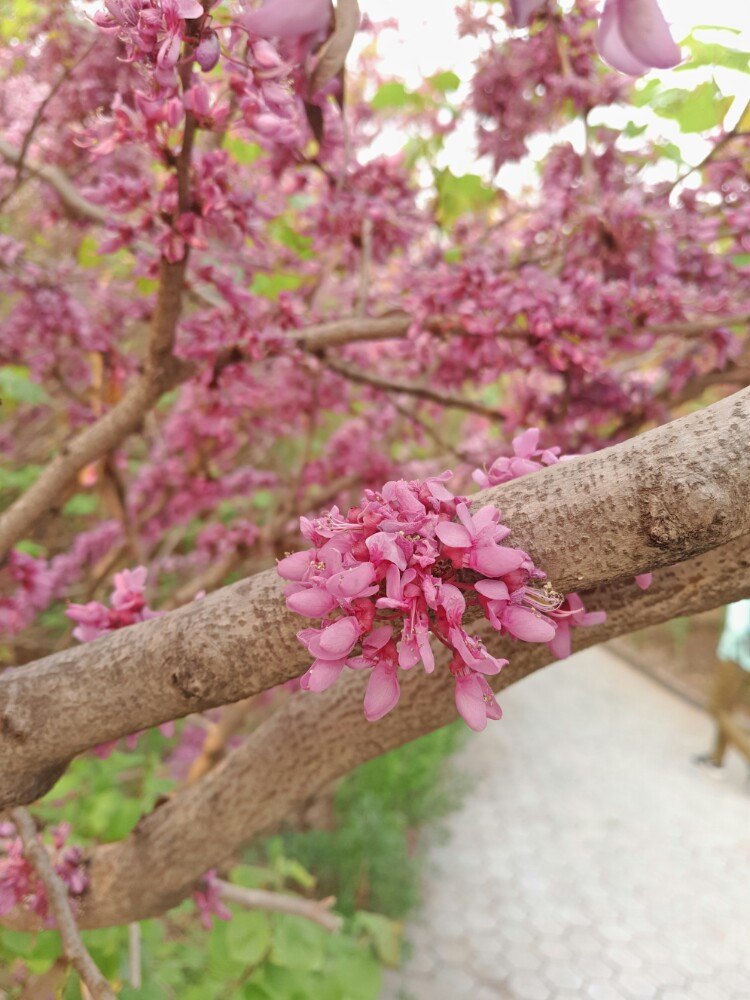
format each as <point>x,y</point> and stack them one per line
<point>226,313</point>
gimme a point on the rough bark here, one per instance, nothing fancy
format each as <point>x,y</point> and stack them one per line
<point>663,497</point>
<point>315,739</point>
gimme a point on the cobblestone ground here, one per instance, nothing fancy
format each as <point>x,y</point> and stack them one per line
<point>591,860</point>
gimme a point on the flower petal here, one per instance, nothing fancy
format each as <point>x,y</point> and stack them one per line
<point>496,560</point>
<point>524,10</point>
<point>339,639</point>
<point>495,590</point>
<point>646,34</point>
<point>453,535</point>
<point>288,18</point>
<point>527,625</point>
<point>611,45</point>
<point>470,703</point>
<point>312,602</point>
<point>321,675</point>
<point>295,566</point>
<point>382,692</point>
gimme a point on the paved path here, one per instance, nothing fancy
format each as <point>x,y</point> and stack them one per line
<point>591,860</point>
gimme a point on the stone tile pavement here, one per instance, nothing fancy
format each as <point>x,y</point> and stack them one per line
<point>591,860</point>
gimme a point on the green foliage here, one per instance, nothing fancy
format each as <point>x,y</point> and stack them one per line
<point>713,54</point>
<point>368,861</point>
<point>394,94</point>
<point>270,286</point>
<point>696,110</point>
<point>16,386</point>
<point>457,195</point>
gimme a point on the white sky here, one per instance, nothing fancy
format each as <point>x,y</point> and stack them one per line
<point>427,42</point>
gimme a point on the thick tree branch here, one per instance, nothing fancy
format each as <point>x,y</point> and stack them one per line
<point>57,896</point>
<point>655,500</point>
<point>315,739</point>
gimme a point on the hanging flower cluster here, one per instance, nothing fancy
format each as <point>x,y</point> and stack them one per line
<point>20,884</point>
<point>410,565</point>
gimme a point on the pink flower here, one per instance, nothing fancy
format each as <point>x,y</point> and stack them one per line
<point>524,10</point>
<point>475,701</point>
<point>383,690</point>
<point>208,901</point>
<point>330,646</point>
<point>527,458</point>
<point>644,580</point>
<point>285,19</point>
<point>510,616</point>
<point>475,540</point>
<point>571,614</point>
<point>633,36</point>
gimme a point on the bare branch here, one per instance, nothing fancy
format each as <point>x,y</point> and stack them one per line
<point>418,391</point>
<point>319,911</point>
<point>69,194</point>
<point>57,896</point>
<point>650,502</point>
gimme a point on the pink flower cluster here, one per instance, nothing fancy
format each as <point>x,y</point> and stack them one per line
<point>19,883</point>
<point>527,457</point>
<point>208,901</point>
<point>128,607</point>
<point>408,566</point>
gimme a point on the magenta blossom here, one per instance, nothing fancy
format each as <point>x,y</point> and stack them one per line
<point>475,701</point>
<point>474,542</point>
<point>633,37</point>
<point>569,615</point>
<point>399,572</point>
<point>527,457</point>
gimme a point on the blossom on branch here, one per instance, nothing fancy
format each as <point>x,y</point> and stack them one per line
<point>405,568</point>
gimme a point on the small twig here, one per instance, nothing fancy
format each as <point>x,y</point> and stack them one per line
<point>57,896</point>
<point>407,388</point>
<point>365,266</point>
<point>134,955</point>
<point>37,120</point>
<point>218,737</point>
<point>319,911</point>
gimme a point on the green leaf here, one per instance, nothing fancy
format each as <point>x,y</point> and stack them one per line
<point>243,152</point>
<point>16,385</point>
<point>697,110</point>
<point>443,82</point>
<point>384,934</point>
<point>395,95</point>
<point>270,286</point>
<point>88,252</point>
<point>458,195</point>
<point>298,944</point>
<point>248,936</point>
<point>714,54</point>
<point>81,505</point>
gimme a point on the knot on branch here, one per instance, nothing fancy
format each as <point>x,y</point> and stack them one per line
<point>683,516</point>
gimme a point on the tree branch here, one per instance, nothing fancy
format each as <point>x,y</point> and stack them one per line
<point>57,896</point>
<point>409,389</point>
<point>276,902</point>
<point>69,194</point>
<point>650,502</point>
<point>314,739</point>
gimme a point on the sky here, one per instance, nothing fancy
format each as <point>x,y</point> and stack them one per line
<point>427,42</point>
